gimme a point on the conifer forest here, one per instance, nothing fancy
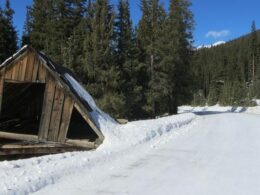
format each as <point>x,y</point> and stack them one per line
<point>143,70</point>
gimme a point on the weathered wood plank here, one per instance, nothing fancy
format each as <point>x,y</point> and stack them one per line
<point>8,73</point>
<point>66,116</point>
<point>42,74</point>
<point>2,74</point>
<point>29,69</point>
<point>47,108</point>
<point>16,81</point>
<point>19,69</point>
<point>31,145</point>
<point>7,150</point>
<point>82,143</point>
<point>17,136</point>
<point>35,69</point>
<point>23,69</point>
<point>15,71</point>
<point>56,115</point>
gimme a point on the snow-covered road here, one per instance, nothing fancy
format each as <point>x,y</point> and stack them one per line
<point>207,153</point>
<point>219,155</point>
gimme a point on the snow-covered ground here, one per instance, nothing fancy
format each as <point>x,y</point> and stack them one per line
<point>203,150</point>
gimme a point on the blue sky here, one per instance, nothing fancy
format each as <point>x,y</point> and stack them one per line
<point>215,20</point>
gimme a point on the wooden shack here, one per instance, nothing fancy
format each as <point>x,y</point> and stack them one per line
<point>42,107</point>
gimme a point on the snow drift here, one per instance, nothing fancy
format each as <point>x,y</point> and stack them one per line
<point>30,175</point>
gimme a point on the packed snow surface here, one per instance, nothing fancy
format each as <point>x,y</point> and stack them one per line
<point>203,150</point>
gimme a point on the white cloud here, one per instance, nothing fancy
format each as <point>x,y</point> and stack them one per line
<point>217,34</point>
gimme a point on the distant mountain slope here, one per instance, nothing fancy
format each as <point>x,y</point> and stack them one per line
<point>212,45</point>
<point>228,73</point>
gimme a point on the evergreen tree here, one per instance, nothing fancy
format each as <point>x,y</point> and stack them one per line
<point>3,33</point>
<point>123,32</point>
<point>149,30</point>
<point>177,55</point>
<point>52,23</point>
<point>227,71</point>
<point>8,35</point>
<point>26,28</point>
<point>253,51</point>
<point>127,53</point>
<point>102,75</point>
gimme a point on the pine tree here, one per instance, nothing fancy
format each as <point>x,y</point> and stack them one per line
<point>253,50</point>
<point>27,28</point>
<point>38,24</point>
<point>102,76</point>
<point>153,17</point>
<point>8,35</point>
<point>177,55</point>
<point>12,35</point>
<point>123,32</point>
<point>52,23</point>
<point>127,53</point>
<point>3,33</point>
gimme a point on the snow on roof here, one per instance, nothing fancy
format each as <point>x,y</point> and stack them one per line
<point>86,97</point>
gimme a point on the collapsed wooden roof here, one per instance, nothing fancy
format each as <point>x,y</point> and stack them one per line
<point>66,80</point>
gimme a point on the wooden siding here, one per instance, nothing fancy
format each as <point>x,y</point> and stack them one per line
<point>28,69</point>
<point>56,114</point>
<point>65,119</point>
<point>58,101</point>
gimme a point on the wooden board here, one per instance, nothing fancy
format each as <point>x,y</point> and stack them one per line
<point>35,70</point>
<point>15,71</point>
<point>42,74</point>
<point>56,115</point>
<point>8,73</point>
<point>65,120</point>
<point>82,143</point>
<point>23,69</point>
<point>17,136</point>
<point>29,68</point>
<point>1,87</point>
<point>47,108</point>
<point>37,149</point>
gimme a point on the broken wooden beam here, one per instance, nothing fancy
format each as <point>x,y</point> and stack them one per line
<point>81,143</point>
<point>36,149</point>
<point>18,136</point>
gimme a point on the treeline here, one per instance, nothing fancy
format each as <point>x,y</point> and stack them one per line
<point>8,35</point>
<point>132,71</point>
<point>229,74</point>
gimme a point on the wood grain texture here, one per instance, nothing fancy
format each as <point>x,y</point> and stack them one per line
<point>66,116</point>
<point>56,115</point>
<point>47,109</point>
<point>2,74</point>
<point>23,69</point>
<point>29,69</point>
<point>42,73</point>
<point>35,69</point>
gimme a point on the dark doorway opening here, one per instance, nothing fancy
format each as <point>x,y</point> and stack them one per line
<point>22,107</point>
<point>79,128</point>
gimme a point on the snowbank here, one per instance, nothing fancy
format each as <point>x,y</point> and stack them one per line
<point>216,108</point>
<point>31,175</point>
<point>220,109</point>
